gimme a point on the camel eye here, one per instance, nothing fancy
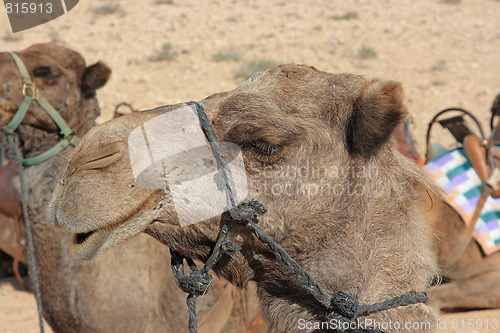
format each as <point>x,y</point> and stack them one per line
<point>42,71</point>
<point>48,74</point>
<point>266,149</point>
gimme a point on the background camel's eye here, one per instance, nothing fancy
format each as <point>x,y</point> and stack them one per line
<point>265,148</point>
<point>42,71</point>
<point>49,75</point>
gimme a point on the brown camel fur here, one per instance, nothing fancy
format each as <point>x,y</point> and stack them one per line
<point>63,79</point>
<point>129,289</point>
<point>370,240</point>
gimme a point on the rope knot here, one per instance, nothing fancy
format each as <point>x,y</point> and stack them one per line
<point>247,211</point>
<point>230,248</point>
<point>344,304</point>
<point>196,283</point>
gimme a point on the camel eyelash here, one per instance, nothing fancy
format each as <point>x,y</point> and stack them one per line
<point>265,148</point>
<point>263,152</point>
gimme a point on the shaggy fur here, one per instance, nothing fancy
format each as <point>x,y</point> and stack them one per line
<point>378,108</point>
<point>351,217</point>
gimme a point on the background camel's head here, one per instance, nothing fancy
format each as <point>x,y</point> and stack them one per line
<point>61,76</point>
<point>309,140</point>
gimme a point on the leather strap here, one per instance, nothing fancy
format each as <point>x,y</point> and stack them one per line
<point>478,156</point>
<point>15,266</point>
<point>10,200</point>
<point>482,157</point>
<point>10,206</point>
<point>467,237</point>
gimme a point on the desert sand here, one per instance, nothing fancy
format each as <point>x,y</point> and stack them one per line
<point>446,53</point>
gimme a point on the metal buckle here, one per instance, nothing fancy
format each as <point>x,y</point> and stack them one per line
<point>34,89</point>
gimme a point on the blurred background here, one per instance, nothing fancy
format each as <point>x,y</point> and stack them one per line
<point>445,52</point>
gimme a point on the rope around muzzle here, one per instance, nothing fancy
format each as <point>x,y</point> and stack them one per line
<point>340,306</point>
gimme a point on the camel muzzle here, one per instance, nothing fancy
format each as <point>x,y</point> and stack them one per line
<point>31,93</point>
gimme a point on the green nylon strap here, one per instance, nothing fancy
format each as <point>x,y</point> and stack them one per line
<point>74,140</point>
<point>66,131</point>
<point>25,75</point>
<point>19,116</point>
<point>25,104</point>
<point>47,154</point>
<point>44,104</point>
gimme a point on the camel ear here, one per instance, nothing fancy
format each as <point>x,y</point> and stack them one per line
<point>377,112</point>
<point>94,77</point>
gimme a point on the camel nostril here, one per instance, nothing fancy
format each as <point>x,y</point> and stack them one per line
<point>7,111</point>
<point>5,88</point>
<point>7,106</point>
<point>99,163</point>
<point>96,159</point>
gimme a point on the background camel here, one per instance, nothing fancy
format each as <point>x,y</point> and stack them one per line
<point>412,43</point>
<point>130,288</point>
<point>471,281</point>
<point>373,244</point>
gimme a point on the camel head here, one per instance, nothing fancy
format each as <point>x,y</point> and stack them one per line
<point>317,150</point>
<point>290,118</point>
<point>61,76</point>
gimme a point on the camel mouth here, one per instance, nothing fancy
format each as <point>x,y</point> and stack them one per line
<point>87,245</point>
<point>80,238</point>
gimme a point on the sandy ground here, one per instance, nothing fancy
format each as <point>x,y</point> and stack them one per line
<point>446,53</point>
<point>18,314</point>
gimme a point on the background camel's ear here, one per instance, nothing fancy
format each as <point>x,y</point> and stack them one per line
<point>94,77</point>
<point>377,112</point>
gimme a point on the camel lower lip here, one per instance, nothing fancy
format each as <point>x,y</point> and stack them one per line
<point>88,244</point>
<point>91,237</point>
<point>85,245</point>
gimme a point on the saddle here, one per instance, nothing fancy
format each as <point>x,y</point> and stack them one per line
<point>10,200</point>
<point>484,159</point>
<point>12,229</point>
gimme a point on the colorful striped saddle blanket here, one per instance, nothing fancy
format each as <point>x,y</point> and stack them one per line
<point>462,186</point>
